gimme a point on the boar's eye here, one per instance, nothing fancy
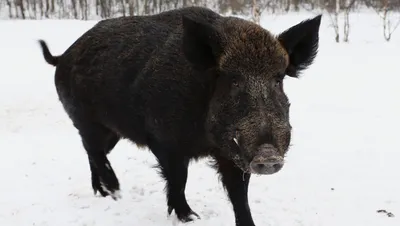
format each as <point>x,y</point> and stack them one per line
<point>235,83</point>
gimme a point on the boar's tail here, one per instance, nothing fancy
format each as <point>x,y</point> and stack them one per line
<point>53,60</point>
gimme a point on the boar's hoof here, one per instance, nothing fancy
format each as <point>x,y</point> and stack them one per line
<point>104,191</point>
<point>116,195</point>
<point>97,187</point>
<point>186,215</point>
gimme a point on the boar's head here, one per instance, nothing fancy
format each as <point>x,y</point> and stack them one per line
<point>248,115</point>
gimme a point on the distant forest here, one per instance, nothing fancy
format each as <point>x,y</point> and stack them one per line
<point>338,10</point>
<point>96,9</point>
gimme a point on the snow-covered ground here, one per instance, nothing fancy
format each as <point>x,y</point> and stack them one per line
<point>344,164</point>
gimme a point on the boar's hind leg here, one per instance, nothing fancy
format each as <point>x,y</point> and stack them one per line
<point>96,185</point>
<point>174,169</point>
<point>98,141</point>
<point>236,184</point>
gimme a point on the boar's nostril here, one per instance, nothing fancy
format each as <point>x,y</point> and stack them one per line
<point>260,166</point>
<point>265,167</point>
<point>277,166</point>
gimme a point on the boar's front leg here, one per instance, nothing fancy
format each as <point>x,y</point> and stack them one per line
<point>174,169</point>
<point>236,184</point>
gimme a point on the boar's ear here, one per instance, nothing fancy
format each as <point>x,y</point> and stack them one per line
<point>301,43</point>
<point>201,43</point>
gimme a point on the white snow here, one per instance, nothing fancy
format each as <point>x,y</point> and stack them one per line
<point>344,164</point>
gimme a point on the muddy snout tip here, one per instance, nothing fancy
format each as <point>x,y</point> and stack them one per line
<point>266,166</point>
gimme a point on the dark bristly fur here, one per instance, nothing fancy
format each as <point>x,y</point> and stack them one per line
<point>187,83</point>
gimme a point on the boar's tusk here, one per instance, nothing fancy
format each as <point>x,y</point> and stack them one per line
<point>234,139</point>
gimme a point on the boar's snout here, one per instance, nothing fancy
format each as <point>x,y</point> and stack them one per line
<point>267,161</point>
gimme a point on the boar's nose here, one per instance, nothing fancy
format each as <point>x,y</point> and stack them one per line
<point>266,166</point>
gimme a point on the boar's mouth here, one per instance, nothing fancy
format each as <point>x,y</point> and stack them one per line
<point>238,156</point>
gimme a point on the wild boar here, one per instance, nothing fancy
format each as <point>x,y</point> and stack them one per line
<point>186,83</point>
